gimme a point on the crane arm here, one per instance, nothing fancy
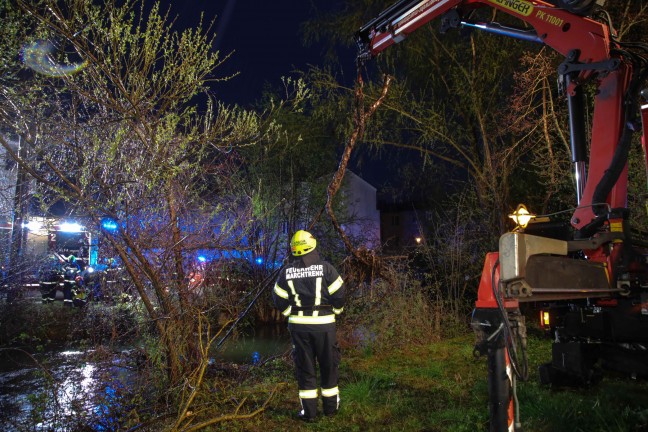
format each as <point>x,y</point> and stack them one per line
<point>591,54</point>
<point>555,26</point>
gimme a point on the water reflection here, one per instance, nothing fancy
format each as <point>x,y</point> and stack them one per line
<point>65,390</point>
<point>59,391</point>
<point>110,411</point>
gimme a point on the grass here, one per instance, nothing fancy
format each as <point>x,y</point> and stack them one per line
<point>438,386</point>
<point>442,387</point>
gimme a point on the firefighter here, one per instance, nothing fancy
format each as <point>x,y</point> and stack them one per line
<point>70,271</point>
<point>309,291</point>
<point>50,276</point>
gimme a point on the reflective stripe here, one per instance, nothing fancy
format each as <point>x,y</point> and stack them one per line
<point>330,392</point>
<point>338,311</point>
<point>297,319</point>
<point>318,294</point>
<point>335,285</point>
<point>281,292</point>
<point>287,311</point>
<point>294,293</point>
<point>308,394</point>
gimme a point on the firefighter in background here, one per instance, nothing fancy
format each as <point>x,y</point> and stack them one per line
<point>309,291</point>
<point>71,270</point>
<point>49,279</point>
<point>116,282</point>
<point>111,285</point>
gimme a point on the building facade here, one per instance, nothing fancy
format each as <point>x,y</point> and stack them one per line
<point>362,213</point>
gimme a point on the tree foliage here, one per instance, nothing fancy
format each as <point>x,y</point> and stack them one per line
<point>117,117</point>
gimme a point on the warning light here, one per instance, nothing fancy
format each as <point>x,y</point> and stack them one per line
<point>521,216</point>
<point>109,224</point>
<point>71,227</point>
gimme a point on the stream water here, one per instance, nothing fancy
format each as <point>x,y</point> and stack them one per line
<point>254,344</point>
<point>61,389</point>
<point>64,389</point>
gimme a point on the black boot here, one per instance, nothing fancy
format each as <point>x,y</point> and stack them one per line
<point>309,409</point>
<point>331,405</point>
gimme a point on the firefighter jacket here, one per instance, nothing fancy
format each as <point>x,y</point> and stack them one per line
<point>310,292</point>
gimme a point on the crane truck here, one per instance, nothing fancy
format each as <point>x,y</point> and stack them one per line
<point>593,269</point>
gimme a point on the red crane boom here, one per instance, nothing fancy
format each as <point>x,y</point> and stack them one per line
<point>599,268</point>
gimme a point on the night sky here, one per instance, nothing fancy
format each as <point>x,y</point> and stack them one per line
<point>264,36</point>
<point>267,43</point>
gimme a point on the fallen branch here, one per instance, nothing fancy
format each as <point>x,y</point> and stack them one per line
<point>235,415</point>
<point>200,372</point>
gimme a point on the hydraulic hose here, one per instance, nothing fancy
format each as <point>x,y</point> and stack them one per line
<point>620,156</point>
<point>521,370</point>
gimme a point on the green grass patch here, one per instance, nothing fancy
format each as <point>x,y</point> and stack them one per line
<point>442,387</point>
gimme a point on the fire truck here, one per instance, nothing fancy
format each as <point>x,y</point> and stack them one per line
<point>592,271</point>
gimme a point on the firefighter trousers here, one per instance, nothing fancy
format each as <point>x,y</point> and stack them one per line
<point>312,349</point>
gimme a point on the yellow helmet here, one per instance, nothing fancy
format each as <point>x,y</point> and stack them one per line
<point>302,243</point>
